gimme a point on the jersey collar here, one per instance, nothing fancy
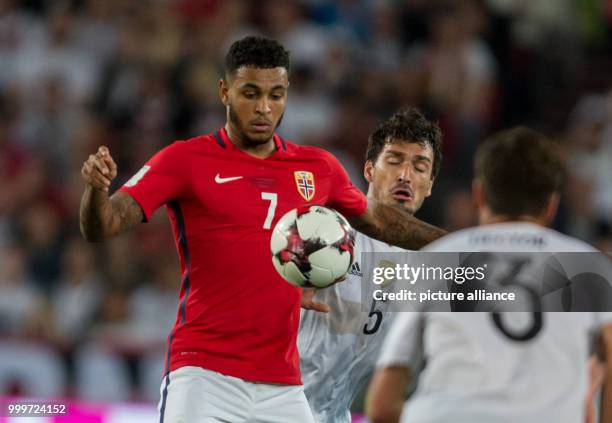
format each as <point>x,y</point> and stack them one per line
<point>279,143</point>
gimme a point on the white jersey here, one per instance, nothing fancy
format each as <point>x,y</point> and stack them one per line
<point>473,372</point>
<point>338,350</point>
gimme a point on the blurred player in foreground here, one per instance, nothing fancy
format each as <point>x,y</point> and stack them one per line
<point>477,371</point>
<point>338,349</point>
<point>232,353</point>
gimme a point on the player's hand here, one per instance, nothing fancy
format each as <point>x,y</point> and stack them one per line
<point>308,302</point>
<point>99,169</point>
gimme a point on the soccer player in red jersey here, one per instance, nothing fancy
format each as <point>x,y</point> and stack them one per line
<point>232,353</point>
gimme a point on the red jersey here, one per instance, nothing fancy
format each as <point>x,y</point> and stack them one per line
<point>236,315</point>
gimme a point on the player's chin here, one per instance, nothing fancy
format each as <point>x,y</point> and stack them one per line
<point>260,137</point>
<point>404,205</point>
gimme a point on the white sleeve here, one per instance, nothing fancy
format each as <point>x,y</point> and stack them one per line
<point>403,345</point>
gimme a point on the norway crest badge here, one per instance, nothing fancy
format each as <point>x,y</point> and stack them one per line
<point>305,184</point>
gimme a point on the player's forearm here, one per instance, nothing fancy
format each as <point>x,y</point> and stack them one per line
<point>606,398</point>
<point>391,414</point>
<point>103,217</point>
<point>95,215</point>
<point>385,397</point>
<point>606,402</point>
<point>393,226</point>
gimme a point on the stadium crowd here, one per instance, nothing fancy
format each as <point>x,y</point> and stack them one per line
<point>90,321</point>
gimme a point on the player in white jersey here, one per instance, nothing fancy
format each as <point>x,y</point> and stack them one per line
<point>338,349</point>
<point>475,370</point>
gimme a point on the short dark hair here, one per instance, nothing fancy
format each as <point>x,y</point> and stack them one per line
<point>519,170</point>
<point>407,124</point>
<point>256,52</point>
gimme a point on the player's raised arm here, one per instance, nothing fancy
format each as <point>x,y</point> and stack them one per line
<point>394,226</point>
<point>100,216</point>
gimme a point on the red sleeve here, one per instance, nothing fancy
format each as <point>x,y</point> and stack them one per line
<point>162,179</point>
<point>345,197</point>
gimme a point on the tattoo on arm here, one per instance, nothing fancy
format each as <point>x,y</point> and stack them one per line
<point>126,212</point>
<point>102,217</point>
<point>393,226</point>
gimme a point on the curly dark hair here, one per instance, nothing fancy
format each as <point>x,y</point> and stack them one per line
<point>257,52</point>
<point>519,170</point>
<point>407,124</point>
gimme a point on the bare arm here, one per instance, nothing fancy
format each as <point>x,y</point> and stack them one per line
<point>597,374</point>
<point>103,217</point>
<point>393,226</point>
<point>387,394</point>
<point>100,216</point>
<point>606,400</point>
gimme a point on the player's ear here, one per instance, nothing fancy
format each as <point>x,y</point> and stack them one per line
<point>223,89</point>
<point>552,205</point>
<point>478,194</point>
<point>368,171</point>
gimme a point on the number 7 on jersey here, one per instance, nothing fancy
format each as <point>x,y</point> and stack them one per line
<point>272,197</point>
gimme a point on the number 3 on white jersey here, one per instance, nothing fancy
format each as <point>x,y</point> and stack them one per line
<point>272,197</point>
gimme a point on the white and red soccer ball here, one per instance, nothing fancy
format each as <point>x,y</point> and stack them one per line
<point>312,246</point>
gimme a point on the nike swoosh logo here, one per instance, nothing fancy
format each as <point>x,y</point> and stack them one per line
<point>220,180</point>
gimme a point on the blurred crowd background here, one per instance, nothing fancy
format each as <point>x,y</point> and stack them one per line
<point>90,321</point>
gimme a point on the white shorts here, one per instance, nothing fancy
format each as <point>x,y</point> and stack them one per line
<point>196,395</point>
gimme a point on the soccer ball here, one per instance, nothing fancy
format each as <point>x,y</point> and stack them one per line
<point>312,246</point>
